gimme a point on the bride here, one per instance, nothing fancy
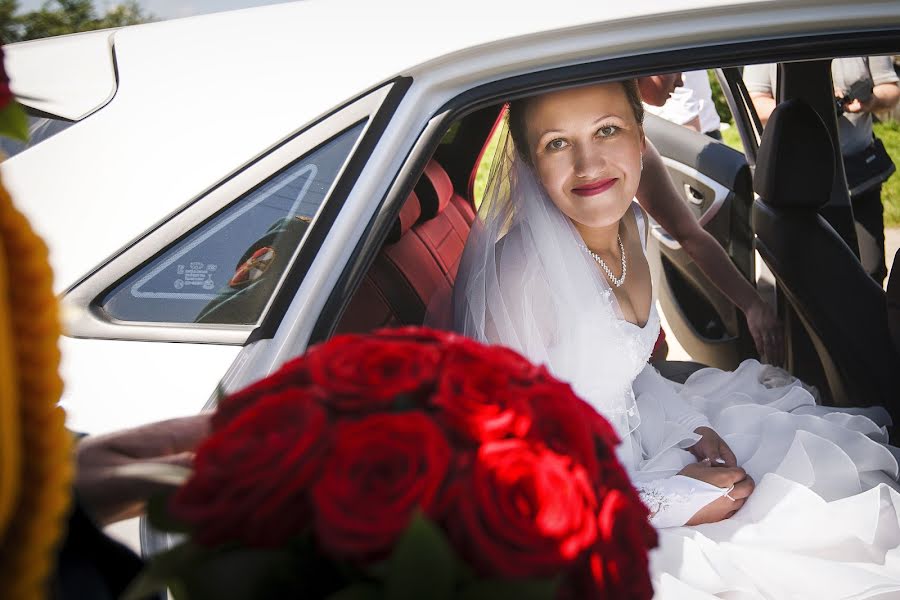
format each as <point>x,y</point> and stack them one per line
<point>757,491</point>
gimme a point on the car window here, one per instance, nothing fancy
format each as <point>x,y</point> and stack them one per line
<point>39,129</point>
<point>225,270</point>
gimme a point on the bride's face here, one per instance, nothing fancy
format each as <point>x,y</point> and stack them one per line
<point>585,144</point>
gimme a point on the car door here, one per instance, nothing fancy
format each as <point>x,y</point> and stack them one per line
<point>716,185</point>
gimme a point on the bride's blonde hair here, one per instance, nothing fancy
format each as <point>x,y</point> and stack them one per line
<point>516,116</point>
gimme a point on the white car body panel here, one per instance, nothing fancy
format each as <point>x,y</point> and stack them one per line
<point>104,391</point>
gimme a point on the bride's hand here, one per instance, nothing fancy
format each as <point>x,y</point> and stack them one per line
<point>723,477</point>
<point>712,449</point>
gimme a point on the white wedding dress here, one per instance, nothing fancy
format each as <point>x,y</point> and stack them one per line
<point>824,519</point>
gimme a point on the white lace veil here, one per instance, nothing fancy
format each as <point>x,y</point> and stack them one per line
<point>525,282</point>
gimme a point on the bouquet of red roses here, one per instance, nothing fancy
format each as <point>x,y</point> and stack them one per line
<point>408,463</point>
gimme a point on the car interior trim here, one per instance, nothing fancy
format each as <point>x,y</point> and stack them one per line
<point>720,191</point>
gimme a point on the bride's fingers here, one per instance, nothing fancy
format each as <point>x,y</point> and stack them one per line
<point>728,457</point>
<point>735,507</point>
<point>742,489</point>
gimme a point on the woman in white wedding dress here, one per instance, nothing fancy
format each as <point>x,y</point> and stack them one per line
<point>757,491</point>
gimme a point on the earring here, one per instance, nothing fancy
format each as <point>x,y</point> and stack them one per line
<point>642,162</point>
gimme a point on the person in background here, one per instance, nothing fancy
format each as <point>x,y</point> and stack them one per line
<point>658,196</point>
<point>862,86</point>
<point>691,104</point>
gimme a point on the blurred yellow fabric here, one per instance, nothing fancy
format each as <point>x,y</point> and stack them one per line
<point>36,464</point>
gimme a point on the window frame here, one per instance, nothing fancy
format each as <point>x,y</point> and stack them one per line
<point>82,304</point>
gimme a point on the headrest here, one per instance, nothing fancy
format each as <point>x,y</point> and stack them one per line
<point>434,190</point>
<point>409,214</point>
<point>795,163</point>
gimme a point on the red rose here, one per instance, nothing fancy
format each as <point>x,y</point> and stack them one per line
<point>293,374</point>
<point>528,512</point>
<point>362,372</point>
<point>251,479</point>
<point>559,421</point>
<point>617,565</point>
<point>480,393</point>
<point>5,93</point>
<point>382,469</point>
<point>625,536</point>
<point>602,429</point>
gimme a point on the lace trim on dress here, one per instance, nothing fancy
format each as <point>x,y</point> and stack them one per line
<point>657,499</point>
<point>674,500</point>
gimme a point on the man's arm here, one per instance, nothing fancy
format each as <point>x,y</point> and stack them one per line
<point>658,196</point>
<point>884,97</point>
<point>764,104</point>
<point>760,83</point>
<point>694,124</point>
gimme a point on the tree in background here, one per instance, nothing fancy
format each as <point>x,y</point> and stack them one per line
<point>59,17</point>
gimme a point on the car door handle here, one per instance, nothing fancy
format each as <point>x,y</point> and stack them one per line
<point>693,195</point>
<point>663,237</point>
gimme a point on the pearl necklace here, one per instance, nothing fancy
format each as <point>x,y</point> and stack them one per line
<point>616,281</point>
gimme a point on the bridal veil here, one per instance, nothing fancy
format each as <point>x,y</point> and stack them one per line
<point>525,282</point>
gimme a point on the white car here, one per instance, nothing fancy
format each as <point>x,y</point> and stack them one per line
<point>219,192</point>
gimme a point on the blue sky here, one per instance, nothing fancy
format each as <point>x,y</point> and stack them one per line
<point>167,9</point>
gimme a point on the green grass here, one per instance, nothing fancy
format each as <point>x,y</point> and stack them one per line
<point>732,138</point>
<point>889,133</point>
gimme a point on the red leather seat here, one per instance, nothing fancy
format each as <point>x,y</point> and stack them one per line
<point>419,260</point>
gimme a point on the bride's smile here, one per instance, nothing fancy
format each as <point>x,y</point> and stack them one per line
<point>598,187</point>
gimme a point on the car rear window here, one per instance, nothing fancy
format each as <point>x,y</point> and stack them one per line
<point>39,129</point>
<point>225,270</point>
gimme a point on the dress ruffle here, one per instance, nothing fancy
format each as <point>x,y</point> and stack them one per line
<point>824,519</point>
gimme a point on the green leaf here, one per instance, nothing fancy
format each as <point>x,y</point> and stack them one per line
<point>159,516</point>
<point>423,565</point>
<point>14,121</point>
<point>520,589</point>
<point>359,591</point>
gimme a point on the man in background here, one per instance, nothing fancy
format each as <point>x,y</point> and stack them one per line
<point>690,104</point>
<point>862,86</point>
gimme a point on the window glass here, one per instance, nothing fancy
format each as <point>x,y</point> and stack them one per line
<point>225,271</point>
<point>483,168</point>
<point>39,129</point>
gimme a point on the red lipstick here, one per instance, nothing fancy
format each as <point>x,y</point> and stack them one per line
<point>595,188</point>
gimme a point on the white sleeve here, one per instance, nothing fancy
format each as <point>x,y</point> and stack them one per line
<point>759,79</point>
<point>674,500</point>
<point>656,394</point>
<point>882,69</point>
<point>681,107</point>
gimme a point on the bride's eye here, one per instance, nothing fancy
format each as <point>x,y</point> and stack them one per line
<point>607,131</point>
<point>557,144</point>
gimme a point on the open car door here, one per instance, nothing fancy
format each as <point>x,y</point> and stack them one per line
<point>716,184</point>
